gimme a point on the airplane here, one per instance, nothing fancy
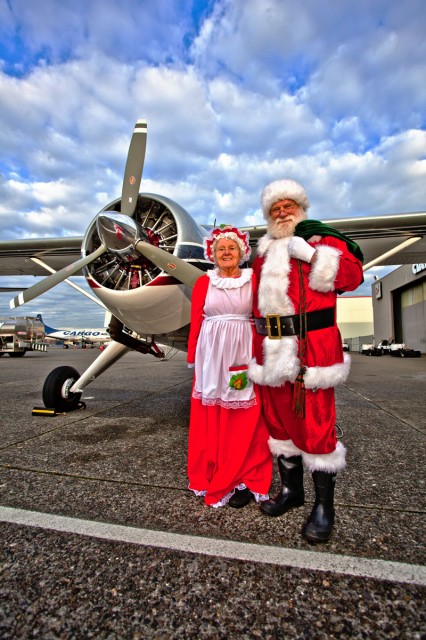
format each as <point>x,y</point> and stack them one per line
<point>141,256</point>
<point>71,335</point>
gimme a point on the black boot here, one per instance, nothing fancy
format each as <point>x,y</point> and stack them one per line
<point>320,523</point>
<point>240,498</point>
<point>291,493</point>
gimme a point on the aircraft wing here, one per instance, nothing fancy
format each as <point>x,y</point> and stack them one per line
<point>384,240</point>
<point>56,252</point>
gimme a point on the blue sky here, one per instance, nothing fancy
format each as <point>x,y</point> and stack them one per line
<point>236,93</point>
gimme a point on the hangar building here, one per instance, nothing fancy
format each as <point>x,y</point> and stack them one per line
<point>399,306</point>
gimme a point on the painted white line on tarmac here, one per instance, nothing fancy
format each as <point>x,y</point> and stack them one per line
<point>310,560</point>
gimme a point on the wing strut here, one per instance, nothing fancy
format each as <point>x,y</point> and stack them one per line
<point>71,284</point>
<point>391,252</point>
<point>54,279</point>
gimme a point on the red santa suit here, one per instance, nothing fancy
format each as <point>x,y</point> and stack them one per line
<point>277,361</point>
<point>228,439</point>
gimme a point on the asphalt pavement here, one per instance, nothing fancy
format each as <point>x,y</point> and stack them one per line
<point>102,539</point>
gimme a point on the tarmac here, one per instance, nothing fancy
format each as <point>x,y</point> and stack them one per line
<point>102,539</point>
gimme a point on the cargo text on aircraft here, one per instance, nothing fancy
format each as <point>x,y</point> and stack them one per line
<point>84,333</point>
<point>96,335</point>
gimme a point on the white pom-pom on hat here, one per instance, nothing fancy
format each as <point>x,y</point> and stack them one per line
<point>281,190</point>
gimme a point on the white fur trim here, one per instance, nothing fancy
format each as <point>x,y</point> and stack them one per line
<point>280,362</point>
<point>263,244</point>
<point>324,268</point>
<point>282,190</point>
<point>274,280</point>
<point>330,462</point>
<point>255,372</point>
<point>326,377</point>
<point>284,448</point>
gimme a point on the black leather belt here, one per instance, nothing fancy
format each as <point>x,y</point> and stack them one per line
<point>275,326</point>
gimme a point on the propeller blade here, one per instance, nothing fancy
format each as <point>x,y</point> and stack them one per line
<point>134,168</point>
<point>41,287</point>
<point>176,267</point>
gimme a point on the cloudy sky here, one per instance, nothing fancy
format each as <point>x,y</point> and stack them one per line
<point>236,93</point>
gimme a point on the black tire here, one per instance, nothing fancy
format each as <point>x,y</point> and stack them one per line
<point>17,354</point>
<point>54,386</point>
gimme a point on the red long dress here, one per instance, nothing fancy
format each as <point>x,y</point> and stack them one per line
<point>227,447</point>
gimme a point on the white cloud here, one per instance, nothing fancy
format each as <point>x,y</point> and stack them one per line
<point>123,29</point>
<point>246,92</point>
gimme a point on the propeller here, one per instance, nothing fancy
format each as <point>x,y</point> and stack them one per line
<point>123,236</point>
<point>174,266</point>
<point>134,168</point>
<point>129,198</point>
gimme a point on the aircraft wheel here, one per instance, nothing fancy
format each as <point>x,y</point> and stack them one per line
<point>55,389</point>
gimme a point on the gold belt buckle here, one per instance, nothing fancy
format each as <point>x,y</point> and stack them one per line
<point>274,327</point>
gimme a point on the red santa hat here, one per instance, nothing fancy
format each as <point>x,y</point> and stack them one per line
<point>228,232</point>
<point>281,190</point>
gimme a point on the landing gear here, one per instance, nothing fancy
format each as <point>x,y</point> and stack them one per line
<point>56,394</point>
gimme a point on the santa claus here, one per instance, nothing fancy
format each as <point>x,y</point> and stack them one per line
<point>301,267</point>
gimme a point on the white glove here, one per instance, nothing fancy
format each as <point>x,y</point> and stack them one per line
<point>300,249</point>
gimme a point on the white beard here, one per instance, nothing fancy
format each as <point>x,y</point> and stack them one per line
<point>277,229</point>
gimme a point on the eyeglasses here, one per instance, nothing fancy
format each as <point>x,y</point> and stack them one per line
<point>275,210</point>
<point>221,249</point>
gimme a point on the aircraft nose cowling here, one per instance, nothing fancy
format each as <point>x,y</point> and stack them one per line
<point>119,233</point>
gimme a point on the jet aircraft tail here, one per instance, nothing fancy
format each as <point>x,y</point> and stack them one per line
<point>47,329</point>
